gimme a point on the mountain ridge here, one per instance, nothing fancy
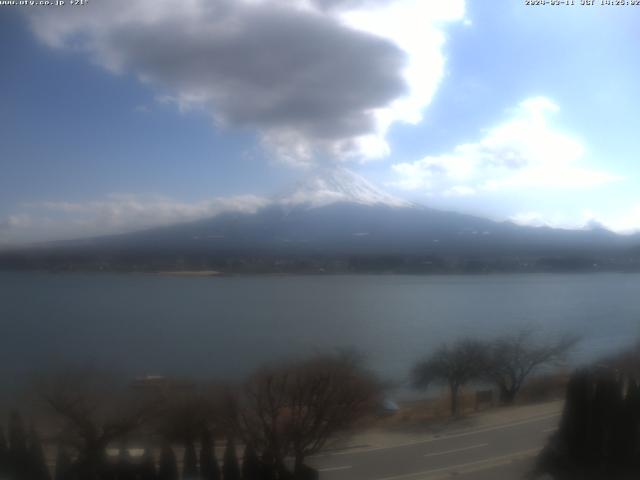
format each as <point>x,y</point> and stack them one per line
<point>335,218</point>
<point>341,237</point>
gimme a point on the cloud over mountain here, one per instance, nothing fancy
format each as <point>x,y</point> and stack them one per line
<point>117,213</point>
<point>317,79</point>
<point>526,151</point>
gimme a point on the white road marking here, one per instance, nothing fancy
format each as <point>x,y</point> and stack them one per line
<point>453,468</point>
<point>335,469</point>
<point>443,437</point>
<point>462,449</point>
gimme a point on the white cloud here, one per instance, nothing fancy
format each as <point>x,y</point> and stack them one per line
<point>623,221</point>
<point>525,152</point>
<point>416,27</point>
<point>315,78</point>
<point>117,213</point>
<point>16,221</point>
<point>554,220</point>
<point>126,211</point>
<point>459,191</point>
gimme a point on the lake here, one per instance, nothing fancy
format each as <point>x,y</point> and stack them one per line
<point>226,326</point>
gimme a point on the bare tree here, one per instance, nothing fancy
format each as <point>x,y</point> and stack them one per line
<point>454,366</point>
<point>296,409</point>
<point>95,411</point>
<point>513,358</point>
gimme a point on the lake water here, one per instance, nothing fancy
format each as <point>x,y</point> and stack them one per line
<point>226,326</point>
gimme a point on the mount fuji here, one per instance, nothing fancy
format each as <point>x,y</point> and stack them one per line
<point>337,221</point>
<point>337,185</point>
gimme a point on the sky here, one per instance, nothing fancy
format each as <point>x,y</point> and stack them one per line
<point>121,115</point>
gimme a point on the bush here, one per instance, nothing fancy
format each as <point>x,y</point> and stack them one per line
<point>598,433</point>
<point>543,388</point>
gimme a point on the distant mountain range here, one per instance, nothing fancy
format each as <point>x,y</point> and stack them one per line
<point>338,222</point>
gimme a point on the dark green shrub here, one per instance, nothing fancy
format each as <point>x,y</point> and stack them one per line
<point>230,467</point>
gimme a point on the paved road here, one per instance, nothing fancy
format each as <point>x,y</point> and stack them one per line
<point>497,452</point>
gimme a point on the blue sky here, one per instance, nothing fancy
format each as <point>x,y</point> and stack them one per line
<point>116,117</point>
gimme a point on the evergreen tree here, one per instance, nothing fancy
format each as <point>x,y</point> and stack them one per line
<point>633,404</point>
<point>251,468</point>
<point>598,435</point>
<point>606,402</point>
<point>190,462</point>
<point>38,469</point>
<point>623,435</point>
<point>268,467</point>
<point>575,419</point>
<point>125,468</point>
<point>230,467</point>
<point>168,468</point>
<point>18,452</point>
<point>147,470</point>
<point>209,469</point>
<point>63,465</point>
<point>4,455</point>
<point>108,469</point>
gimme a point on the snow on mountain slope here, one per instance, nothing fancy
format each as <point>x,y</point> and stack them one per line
<point>337,185</point>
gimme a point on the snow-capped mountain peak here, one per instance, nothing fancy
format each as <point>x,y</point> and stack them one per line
<point>338,185</point>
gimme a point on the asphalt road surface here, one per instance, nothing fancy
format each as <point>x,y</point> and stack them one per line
<point>497,452</point>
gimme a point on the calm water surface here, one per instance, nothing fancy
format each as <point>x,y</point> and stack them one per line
<point>226,326</point>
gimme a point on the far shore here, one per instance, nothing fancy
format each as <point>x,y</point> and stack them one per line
<point>285,273</point>
<point>190,273</point>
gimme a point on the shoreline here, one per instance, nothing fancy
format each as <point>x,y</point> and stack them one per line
<point>187,273</point>
<point>218,273</point>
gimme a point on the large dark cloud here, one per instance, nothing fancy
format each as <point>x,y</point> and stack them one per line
<point>274,68</point>
<point>341,4</point>
<point>305,81</point>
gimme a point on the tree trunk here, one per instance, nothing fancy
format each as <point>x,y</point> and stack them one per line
<point>507,395</point>
<point>454,399</point>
